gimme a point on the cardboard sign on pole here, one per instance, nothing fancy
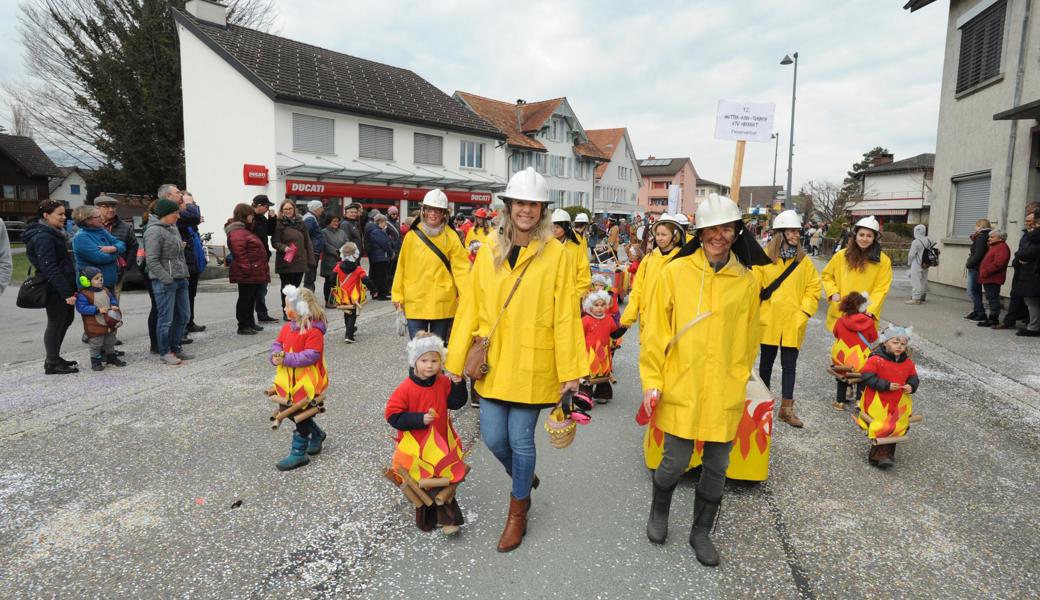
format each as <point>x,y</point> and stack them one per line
<point>743,122</point>
<point>738,168</point>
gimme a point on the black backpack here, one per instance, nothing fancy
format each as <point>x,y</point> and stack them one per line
<point>930,256</point>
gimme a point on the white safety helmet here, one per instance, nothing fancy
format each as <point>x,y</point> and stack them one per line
<point>788,219</point>
<point>435,198</point>
<point>717,210</point>
<point>869,223</point>
<point>682,219</point>
<point>561,216</point>
<point>581,218</point>
<point>526,185</point>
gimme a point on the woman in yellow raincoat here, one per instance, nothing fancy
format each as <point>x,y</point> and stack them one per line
<point>536,345</point>
<point>668,237</point>
<point>561,230</point>
<point>789,300</point>
<point>427,281</point>
<point>699,345</point>
<point>861,267</point>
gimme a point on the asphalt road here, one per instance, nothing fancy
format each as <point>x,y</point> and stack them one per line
<point>128,482</point>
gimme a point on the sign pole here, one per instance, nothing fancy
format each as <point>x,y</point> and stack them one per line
<point>738,168</point>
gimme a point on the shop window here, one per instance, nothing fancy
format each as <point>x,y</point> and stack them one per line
<point>982,39</point>
<point>471,154</point>
<point>313,134</point>
<point>74,189</point>
<point>429,149</point>
<point>376,142</point>
<point>971,203</point>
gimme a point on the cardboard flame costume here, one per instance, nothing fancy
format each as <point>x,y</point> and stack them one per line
<point>853,335</point>
<point>349,289</point>
<point>434,450</point>
<point>598,345</point>
<point>302,375</point>
<point>888,410</point>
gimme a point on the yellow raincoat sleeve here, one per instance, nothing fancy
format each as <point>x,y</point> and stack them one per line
<point>658,330</point>
<point>830,274</point>
<point>635,296</point>
<point>467,322</point>
<point>459,259</point>
<point>397,289</point>
<point>882,283</point>
<point>584,272</point>
<point>811,298</point>
<point>754,326</point>
<point>569,337</point>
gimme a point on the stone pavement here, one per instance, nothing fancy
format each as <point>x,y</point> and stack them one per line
<point>128,483</point>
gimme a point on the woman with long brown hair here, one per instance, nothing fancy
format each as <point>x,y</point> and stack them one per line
<point>860,267</point>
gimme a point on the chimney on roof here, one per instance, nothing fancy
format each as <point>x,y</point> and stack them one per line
<point>882,159</point>
<point>651,157</point>
<point>520,101</point>
<point>207,10</point>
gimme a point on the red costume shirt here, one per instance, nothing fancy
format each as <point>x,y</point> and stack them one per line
<point>597,344</point>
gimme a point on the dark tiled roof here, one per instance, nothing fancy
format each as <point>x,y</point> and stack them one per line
<point>914,163</point>
<point>292,71</point>
<point>27,155</point>
<point>658,170</point>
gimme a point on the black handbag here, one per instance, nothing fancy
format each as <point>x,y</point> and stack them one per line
<point>33,292</point>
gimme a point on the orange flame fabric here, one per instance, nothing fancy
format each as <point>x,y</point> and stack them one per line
<point>297,384</point>
<point>849,349</point>
<point>348,289</point>
<point>889,410</point>
<point>597,344</point>
<point>425,453</point>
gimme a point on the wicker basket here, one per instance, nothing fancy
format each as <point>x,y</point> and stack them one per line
<point>561,429</point>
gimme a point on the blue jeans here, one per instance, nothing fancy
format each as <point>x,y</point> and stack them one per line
<point>975,292</point>
<point>439,327</point>
<point>508,432</point>
<point>172,312</point>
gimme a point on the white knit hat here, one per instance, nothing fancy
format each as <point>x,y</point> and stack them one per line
<point>595,297</point>
<point>421,344</point>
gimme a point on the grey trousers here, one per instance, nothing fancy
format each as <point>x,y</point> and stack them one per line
<point>677,453</point>
<point>102,345</point>
<point>1033,304</point>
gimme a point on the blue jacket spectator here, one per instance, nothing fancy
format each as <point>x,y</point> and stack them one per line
<point>88,242</point>
<point>310,221</point>
<point>380,249</point>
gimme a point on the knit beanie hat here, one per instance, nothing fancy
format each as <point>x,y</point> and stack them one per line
<point>86,274</point>
<point>165,207</point>
<point>422,343</point>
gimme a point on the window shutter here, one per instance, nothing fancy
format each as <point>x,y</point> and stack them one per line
<point>376,142</point>
<point>982,39</point>
<point>313,134</point>
<point>971,204</point>
<point>429,149</point>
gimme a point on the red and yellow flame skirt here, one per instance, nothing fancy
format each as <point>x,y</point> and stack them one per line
<point>849,353</point>
<point>889,413</point>
<point>425,454</point>
<point>749,458</point>
<point>296,384</point>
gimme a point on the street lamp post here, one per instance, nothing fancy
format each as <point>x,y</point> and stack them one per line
<point>790,148</point>
<point>776,154</point>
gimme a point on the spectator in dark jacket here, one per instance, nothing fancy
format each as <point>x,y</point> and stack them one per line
<point>294,255</point>
<point>122,231</point>
<point>249,266</point>
<point>333,236</point>
<point>312,222</point>
<point>380,252</point>
<point>975,256</point>
<point>46,247</point>
<point>263,227</point>
<point>188,227</point>
<point>352,225</point>
<point>1026,283</point>
<point>393,231</point>
<point>993,274</point>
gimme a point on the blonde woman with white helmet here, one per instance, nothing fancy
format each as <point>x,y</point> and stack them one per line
<point>698,348</point>
<point>521,300</point>
<point>790,296</point>
<point>431,269</point>
<point>859,267</point>
<point>579,255</point>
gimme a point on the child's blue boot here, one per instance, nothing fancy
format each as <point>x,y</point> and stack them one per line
<point>297,456</point>
<point>317,437</point>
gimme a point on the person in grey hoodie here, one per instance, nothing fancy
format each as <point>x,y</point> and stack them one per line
<point>164,254</point>
<point>918,270</point>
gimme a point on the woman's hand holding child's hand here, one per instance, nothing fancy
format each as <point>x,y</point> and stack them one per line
<point>429,417</point>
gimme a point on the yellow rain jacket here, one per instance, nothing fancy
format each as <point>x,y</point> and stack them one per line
<point>539,342</point>
<point>579,257</point>
<point>787,312</point>
<point>839,278</point>
<point>704,376</point>
<point>421,283</point>
<point>477,233</point>
<point>643,285</point>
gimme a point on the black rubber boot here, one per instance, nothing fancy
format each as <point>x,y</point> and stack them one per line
<point>113,359</point>
<point>657,524</point>
<point>705,513</point>
<point>95,364</point>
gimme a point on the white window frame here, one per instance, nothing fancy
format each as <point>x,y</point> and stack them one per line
<point>477,156</point>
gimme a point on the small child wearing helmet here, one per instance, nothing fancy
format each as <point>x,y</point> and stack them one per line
<point>428,447</point>
<point>885,407</point>
<point>101,318</point>
<point>601,334</point>
<point>349,293</point>
<point>298,355</point>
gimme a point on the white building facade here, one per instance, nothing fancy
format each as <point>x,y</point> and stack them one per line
<point>617,181</point>
<point>70,187</point>
<point>896,191</point>
<point>297,131</point>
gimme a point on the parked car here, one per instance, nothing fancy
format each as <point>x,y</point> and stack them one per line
<point>15,229</point>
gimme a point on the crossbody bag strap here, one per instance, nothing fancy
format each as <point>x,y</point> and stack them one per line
<point>509,298</point>
<point>429,243</point>
<point>772,287</point>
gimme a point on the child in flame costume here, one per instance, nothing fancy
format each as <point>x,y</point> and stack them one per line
<point>854,334</point>
<point>601,335</point>
<point>349,292</point>
<point>427,444</point>
<point>299,356</point>
<point>601,283</point>
<point>885,406</point>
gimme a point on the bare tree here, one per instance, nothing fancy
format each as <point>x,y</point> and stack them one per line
<point>20,124</point>
<point>826,198</point>
<point>53,39</point>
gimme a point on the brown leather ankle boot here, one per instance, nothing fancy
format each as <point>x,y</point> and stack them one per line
<point>787,414</point>
<point>516,524</point>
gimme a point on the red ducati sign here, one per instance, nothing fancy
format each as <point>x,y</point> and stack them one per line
<point>323,189</point>
<point>254,174</point>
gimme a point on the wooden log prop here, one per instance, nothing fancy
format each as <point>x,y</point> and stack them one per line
<point>399,483</point>
<point>413,485</point>
<point>888,440</point>
<point>278,417</point>
<point>310,412</point>
<point>447,494</point>
<point>844,373</point>
<point>915,419</point>
<point>434,482</point>
<point>271,392</point>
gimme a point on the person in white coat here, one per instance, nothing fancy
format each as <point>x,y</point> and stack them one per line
<point>918,266</point>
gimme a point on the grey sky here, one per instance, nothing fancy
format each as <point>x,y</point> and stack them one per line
<point>869,71</point>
